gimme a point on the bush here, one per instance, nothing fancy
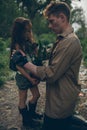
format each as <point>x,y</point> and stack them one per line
<point>4,61</point>
<point>49,38</point>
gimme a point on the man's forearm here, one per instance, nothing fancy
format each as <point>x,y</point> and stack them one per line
<point>31,67</point>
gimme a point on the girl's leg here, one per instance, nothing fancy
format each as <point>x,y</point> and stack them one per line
<point>33,103</point>
<point>26,117</point>
<point>22,107</point>
<point>35,94</point>
<point>22,98</point>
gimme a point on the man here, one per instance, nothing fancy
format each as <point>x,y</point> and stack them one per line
<point>61,75</point>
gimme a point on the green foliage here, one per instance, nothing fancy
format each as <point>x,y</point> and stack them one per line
<point>82,32</point>
<point>33,7</point>
<point>84,50</point>
<point>39,25</point>
<point>4,61</point>
<point>42,53</point>
<point>8,12</point>
<point>44,45</point>
<point>49,37</point>
<point>45,42</point>
<point>77,16</point>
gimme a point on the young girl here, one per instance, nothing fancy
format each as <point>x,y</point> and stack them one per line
<point>22,39</point>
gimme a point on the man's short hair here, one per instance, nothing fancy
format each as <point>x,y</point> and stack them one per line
<point>56,8</point>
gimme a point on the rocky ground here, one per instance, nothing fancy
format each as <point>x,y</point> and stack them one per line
<point>10,118</point>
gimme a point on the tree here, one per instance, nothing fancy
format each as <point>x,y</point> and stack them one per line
<point>32,7</point>
<point>8,12</point>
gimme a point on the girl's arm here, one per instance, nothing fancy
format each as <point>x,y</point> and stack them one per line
<point>25,74</point>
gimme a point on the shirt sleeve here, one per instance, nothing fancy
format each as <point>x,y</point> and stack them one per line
<point>62,60</point>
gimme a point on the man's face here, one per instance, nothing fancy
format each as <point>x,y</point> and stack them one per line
<point>55,23</point>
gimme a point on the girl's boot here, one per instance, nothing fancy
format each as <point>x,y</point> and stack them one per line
<point>32,111</point>
<point>26,118</point>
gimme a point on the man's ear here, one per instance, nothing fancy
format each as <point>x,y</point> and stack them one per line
<point>62,16</point>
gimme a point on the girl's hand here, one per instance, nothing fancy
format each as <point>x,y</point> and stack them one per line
<point>34,81</point>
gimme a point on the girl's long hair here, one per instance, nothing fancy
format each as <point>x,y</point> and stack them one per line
<point>18,37</point>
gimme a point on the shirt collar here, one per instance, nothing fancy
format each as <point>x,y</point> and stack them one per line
<point>65,33</point>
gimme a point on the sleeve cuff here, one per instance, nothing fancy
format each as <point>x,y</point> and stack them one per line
<point>41,72</point>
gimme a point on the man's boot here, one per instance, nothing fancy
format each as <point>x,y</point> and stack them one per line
<point>32,108</point>
<point>26,118</point>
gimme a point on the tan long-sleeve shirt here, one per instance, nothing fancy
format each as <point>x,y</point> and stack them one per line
<point>61,76</point>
